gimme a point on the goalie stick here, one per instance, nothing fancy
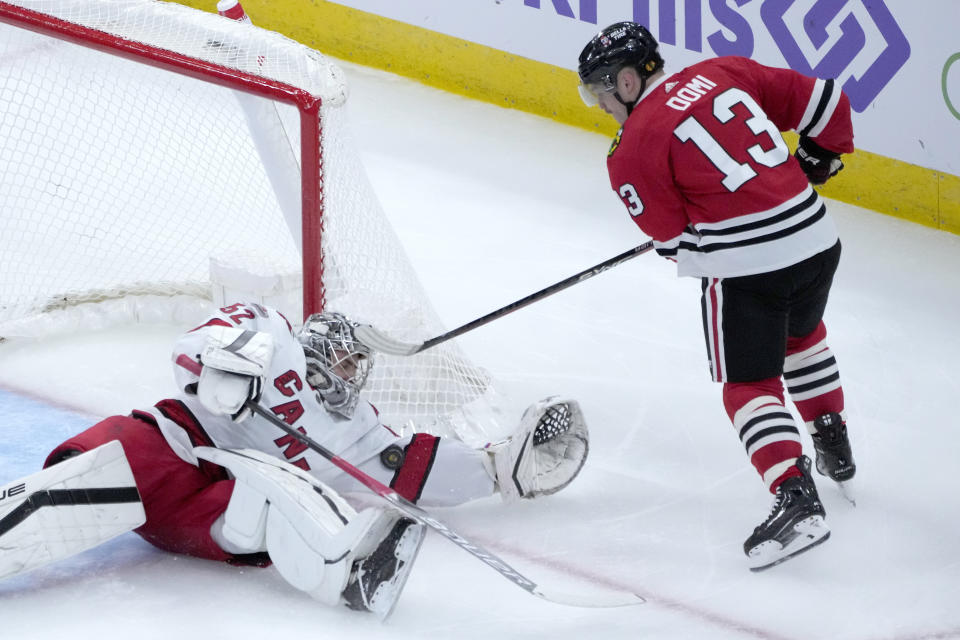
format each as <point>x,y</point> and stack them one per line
<point>383,343</point>
<point>420,515</point>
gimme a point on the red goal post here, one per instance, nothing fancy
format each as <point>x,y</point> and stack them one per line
<point>232,78</point>
<point>143,143</point>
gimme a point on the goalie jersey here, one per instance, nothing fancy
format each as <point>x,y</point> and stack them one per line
<point>703,170</point>
<point>285,392</point>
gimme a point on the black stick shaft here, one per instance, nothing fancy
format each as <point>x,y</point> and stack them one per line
<point>539,295</point>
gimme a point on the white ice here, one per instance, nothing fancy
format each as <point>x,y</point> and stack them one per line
<point>493,204</point>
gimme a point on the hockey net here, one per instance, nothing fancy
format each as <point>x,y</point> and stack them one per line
<point>145,146</point>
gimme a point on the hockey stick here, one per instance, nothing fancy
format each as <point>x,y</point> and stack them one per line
<point>420,515</point>
<point>383,343</point>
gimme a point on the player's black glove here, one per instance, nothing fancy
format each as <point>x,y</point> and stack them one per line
<point>819,164</point>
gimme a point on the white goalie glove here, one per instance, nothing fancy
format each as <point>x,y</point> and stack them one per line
<point>234,363</point>
<point>545,454</point>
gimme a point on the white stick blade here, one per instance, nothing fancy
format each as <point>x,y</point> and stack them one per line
<point>598,600</point>
<point>379,341</point>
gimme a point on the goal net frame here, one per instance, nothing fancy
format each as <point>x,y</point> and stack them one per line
<point>440,390</point>
<point>306,103</point>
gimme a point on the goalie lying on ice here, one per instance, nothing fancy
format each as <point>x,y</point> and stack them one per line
<point>221,483</point>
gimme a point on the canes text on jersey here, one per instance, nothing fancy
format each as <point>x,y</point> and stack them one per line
<point>290,384</point>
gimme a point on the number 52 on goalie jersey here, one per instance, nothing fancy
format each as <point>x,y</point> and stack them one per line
<point>286,393</point>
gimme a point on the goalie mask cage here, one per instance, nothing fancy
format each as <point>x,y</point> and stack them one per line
<point>141,140</point>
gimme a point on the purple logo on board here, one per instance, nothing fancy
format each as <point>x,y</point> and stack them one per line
<point>809,26</point>
<point>847,48</point>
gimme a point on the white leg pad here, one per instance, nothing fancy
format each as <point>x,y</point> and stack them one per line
<point>67,508</point>
<point>311,534</point>
<point>243,526</point>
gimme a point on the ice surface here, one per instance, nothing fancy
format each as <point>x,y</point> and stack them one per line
<point>493,204</point>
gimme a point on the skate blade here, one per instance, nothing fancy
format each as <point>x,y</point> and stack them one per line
<point>384,599</point>
<point>846,490</point>
<point>808,533</point>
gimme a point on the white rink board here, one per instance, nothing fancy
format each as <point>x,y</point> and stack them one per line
<point>898,64</point>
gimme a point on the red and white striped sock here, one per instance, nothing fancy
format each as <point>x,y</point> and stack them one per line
<point>812,377</point>
<point>765,427</point>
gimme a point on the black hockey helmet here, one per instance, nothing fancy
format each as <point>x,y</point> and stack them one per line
<point>624,44</point>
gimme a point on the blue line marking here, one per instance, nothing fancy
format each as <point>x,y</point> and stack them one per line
<point>30,429</point>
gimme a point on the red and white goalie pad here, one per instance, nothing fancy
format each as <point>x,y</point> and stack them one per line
<point>546,453</point>
<point>312,535</point>
<point>67,508</point>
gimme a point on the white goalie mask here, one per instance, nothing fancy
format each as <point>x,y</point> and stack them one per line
<point>337,363</point>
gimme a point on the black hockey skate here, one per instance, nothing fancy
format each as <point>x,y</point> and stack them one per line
<point>795,524</point>
<point>834,457</point>
<point>378,579</point>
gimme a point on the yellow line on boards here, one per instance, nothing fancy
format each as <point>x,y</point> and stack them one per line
<point>869,180</point>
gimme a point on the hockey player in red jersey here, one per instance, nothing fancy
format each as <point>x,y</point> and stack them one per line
<point>701,166</point>
<point>217,481</point>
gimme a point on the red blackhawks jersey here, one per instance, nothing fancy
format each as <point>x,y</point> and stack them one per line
<point>703,170</point>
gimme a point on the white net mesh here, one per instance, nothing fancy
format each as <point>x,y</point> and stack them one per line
<point>120,179</point>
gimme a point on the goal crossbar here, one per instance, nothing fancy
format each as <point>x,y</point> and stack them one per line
<point>154,156</point>
<point>238,80</point>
